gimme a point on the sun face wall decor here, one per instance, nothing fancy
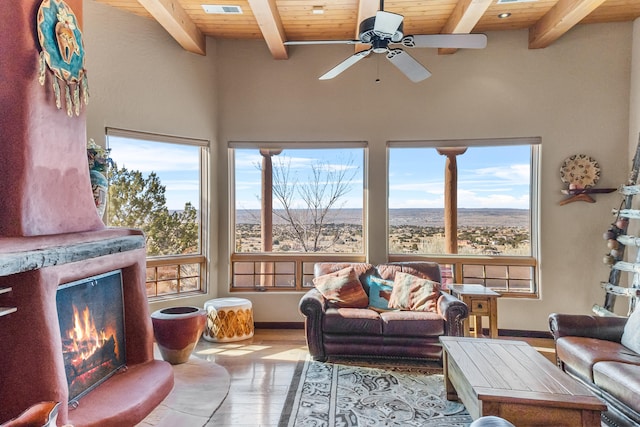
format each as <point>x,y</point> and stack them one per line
<point>63,53</point>
<point>581,173</point>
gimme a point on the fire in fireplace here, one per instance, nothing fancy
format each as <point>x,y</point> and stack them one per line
<point>91,318</point>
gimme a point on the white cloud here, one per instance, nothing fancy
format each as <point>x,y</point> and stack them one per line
<point>182,185</point>
<point>148,157</point>
<point>517,173</point>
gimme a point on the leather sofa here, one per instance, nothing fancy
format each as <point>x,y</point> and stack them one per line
<point>589,349</point>
<point>364,332</point>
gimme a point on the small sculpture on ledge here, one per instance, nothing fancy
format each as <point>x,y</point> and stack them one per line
<point>581,172</point>
<point>99,162</point>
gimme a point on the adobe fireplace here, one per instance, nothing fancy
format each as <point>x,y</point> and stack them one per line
<point>50,236</point>
<point>32,272</point>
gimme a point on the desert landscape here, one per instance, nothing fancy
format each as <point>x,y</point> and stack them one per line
<point>419,231</point>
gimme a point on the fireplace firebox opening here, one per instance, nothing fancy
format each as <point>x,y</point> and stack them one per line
<point>91,318</point>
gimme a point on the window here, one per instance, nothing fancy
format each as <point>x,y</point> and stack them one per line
<point>156,184</point>
<point>294,202</point>
<point>471,206</point>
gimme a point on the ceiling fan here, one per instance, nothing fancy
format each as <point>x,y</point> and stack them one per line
<point>385,29</point>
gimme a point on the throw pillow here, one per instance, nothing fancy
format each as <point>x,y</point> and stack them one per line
<point>379,293</point>
<point>342,289</point>
<point>413,293</point>
<point>631,333</point>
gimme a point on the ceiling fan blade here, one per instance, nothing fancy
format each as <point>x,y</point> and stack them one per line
<point>457,41</point>
<point>387,23</point>
<point>294,42</point>
<point>345,64</point>
<point>409,66</point>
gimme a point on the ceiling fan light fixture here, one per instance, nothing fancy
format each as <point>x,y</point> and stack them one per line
<point>504,15</point>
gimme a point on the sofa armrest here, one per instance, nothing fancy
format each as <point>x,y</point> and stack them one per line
<point>312,306</point>
<point>582,325</point>
<point>454,312</point>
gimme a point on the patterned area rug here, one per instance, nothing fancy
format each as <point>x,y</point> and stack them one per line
<point>349,394</point>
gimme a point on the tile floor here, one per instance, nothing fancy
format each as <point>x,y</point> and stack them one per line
<point>260,370</point>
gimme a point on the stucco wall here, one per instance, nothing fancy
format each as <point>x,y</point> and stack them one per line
<point>573,94</point>
<point>140,79</point>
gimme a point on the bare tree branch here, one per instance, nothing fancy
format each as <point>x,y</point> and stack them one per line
<point>324,191</point>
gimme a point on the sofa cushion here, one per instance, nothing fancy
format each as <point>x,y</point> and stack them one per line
<point>412,324</point>
<point>422,269</point>
<point>579,354</point>
<point>342,288</point>
<point>379,293</point>
<point>362,269</point>
<point>631,335</point>
<point>413,293</point>
<point>621,380</point>
<point>353,321</point>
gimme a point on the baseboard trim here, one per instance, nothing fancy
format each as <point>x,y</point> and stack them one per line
<point>521,333</point>
<point>501,332</point>
<point>279,325</point>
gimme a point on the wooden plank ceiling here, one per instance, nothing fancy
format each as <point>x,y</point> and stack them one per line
<point>278,21</point>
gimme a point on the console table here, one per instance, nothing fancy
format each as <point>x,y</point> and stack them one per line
<point>481,301</point>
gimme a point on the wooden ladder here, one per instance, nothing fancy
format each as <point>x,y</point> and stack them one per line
<point>618,232</point>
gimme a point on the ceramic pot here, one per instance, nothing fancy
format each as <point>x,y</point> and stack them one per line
<point>99,187</point>
<point>177,330</point>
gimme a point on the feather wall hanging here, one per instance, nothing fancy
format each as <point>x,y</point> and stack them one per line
<point>62,53</point>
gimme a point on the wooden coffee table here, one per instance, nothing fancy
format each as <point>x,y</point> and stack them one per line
<point>510,379</point>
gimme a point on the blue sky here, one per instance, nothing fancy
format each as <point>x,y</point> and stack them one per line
<point>176,165</point>
<point>488,177</point>
<point>248,175</point>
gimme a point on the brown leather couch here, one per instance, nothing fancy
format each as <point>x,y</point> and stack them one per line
<point>363,332</point>
<point>588,348</point>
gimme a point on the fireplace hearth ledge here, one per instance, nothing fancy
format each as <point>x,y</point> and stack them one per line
<point>18,255</point>
<point>124,399</point>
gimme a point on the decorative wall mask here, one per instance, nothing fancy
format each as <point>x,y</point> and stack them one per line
<point>63,53</point>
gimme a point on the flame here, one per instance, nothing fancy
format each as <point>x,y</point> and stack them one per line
<point>86,339</point>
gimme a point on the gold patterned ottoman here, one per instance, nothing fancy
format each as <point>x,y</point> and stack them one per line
<point>228,319</point>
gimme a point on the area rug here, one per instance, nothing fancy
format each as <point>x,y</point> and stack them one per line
<point>349,394</point>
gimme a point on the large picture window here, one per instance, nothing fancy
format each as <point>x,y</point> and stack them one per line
<point>156,185</point>
<point>471,202</point>
<point>294,202</point>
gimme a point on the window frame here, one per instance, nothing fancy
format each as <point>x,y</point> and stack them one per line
<point>458,262</point>
<point>303,261</point>
<point>202,257</point>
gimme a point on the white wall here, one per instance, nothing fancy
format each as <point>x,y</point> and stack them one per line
<point>140,79</point>
<point>573,94</point>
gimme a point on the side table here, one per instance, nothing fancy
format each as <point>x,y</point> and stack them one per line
<point>481,302</point>
<point>228,319</point>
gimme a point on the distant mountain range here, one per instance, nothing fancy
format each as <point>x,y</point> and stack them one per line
<point>416,217</point>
